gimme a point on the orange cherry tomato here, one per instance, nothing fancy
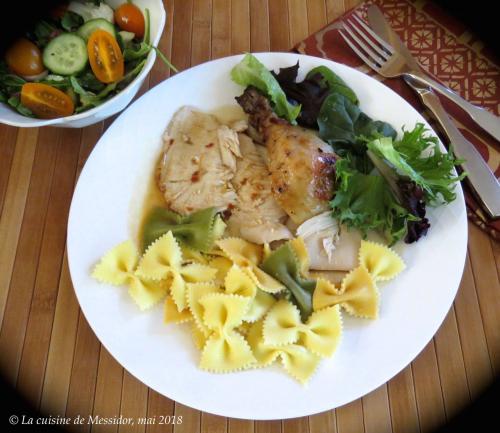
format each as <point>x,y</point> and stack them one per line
<point>46,102</point>
<point>24,58</point>
<point>130,18</point>
<point>105,56</point>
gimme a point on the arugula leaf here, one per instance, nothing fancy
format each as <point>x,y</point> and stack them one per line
<point>251,72</point>
<point>365,202</point>
<point>90,99</point>
<point>419,157</point>
<point>136,51</point>
<point>43,32</point>
<point>71,21</point>
<point>15,102</point>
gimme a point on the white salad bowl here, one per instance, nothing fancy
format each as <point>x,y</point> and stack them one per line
<point>112,106</point>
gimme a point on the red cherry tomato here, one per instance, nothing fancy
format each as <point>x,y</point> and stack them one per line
<point>130,18</point>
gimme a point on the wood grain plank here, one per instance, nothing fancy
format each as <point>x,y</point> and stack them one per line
<point>334,9</point>
<point>495,248</point>
<point>181,36</point>
<point>158,407</point>
<point>61,349</point>
<point>134,404</point>
<point>472,339</point>
<point>451,366</point>
<point>160,71</point>
<point>296,425</point>
<point>350,418</point>
<point>16,313</point>
<point>213,423</point>
<point>316,15</point>
<point>297,15</point>
<point>202,28</point>
<point>267,426</point>
<point>15,196</point>
<point>108,392</point>
<point>487,288</point>
<point>376,411</point>
<point>279,36</point>
<point>402,402</point>
<point>83,375</point>
<point>190,419</point>
<point>8,135</point>
<point>323,422</point>
<point>221,28</point>
<point>240,425</point>
<point>63,337</point>
<point>43,302</point>
<point>259,25</point>
<point>428,392</point>
<point>240,26</point>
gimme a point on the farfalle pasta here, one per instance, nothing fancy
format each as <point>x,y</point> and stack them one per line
<point>357,294</point>
<point>118,267</point>
<point>320,334</point>
<point>225,349</point>
<point>246,305</point>
<point>381,262</point>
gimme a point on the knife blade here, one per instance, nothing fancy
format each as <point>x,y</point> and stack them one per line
<point>486,120</point>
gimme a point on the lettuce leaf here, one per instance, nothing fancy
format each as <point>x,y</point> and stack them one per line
<point>346,128</point>
<point>251,72</point>
<point>365,202</point>
<point>418,156</point>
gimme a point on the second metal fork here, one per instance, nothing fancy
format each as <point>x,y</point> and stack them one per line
<point>389,62</point>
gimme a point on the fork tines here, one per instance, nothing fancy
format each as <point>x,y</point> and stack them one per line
<point>372,49</point>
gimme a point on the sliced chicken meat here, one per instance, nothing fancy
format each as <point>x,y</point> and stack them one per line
<point>257,217</point>
<point>198,162</point>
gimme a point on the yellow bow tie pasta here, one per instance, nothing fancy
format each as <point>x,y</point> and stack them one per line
<point>357,294</point>
<point>118,267</point>
<point>242,300</point>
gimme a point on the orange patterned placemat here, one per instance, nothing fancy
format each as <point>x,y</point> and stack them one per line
<point>448,52</point>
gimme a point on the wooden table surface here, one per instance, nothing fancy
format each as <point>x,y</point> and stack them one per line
<point>47,349</point>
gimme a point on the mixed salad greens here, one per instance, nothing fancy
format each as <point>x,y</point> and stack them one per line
<point>79,56</point>
<point>383,182</point>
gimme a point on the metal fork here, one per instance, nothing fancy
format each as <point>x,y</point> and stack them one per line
<point>388,61</point>
<point>383,59</point>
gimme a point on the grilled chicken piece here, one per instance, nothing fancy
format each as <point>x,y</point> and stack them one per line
<point>256,217</point>
<point>198,162</point>
<point>301,164</point>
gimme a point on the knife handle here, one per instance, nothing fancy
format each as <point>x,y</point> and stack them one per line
<point>481,178</point>
<point>486,120</point>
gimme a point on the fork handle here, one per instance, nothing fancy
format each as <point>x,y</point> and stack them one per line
<point>489,122</point>
<point>481,178</point>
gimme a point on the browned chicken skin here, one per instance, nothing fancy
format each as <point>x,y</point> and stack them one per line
<point>300,163</point>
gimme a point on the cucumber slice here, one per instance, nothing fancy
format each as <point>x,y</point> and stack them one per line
<point>92,25</point>
<point>66,54</point>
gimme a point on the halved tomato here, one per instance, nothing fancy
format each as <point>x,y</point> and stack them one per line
<point>46,102</point>
<point>105,57</point>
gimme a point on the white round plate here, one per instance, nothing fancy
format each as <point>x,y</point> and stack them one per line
<point>104,213</point>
